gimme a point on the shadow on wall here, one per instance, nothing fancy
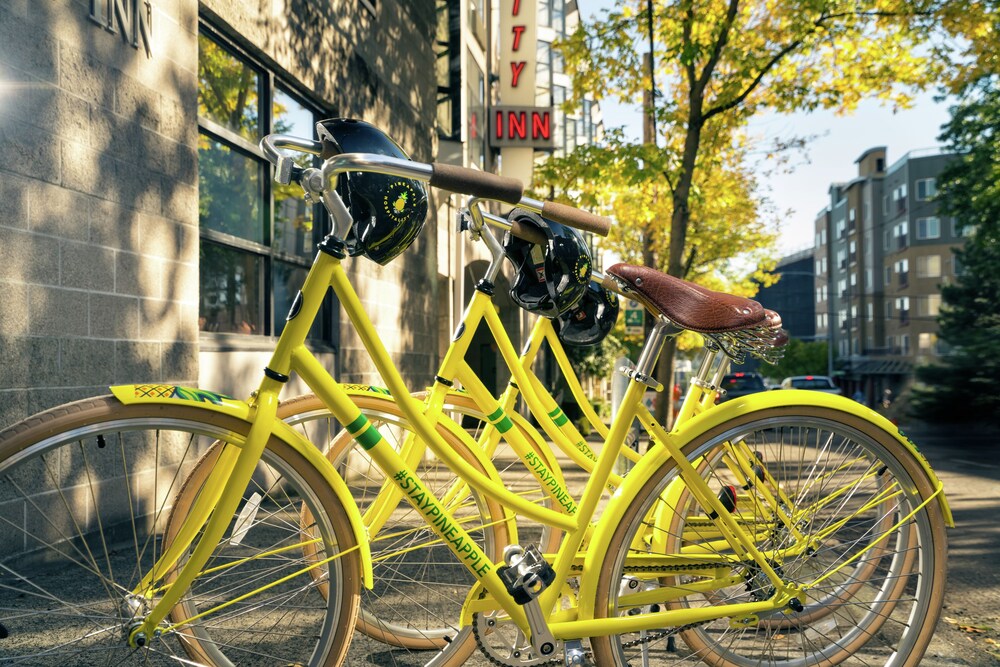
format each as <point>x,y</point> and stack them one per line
<point>99,216</point>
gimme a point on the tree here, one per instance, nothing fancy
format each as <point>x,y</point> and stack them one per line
<point>800,358</point>
<point>722,61</point>
<point>963,384</point>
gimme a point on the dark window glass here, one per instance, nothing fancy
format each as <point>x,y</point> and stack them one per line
<point>228,90</point>
<point>258,237</point>
<point>287,281</point>
<point>229,193</point>
<point>293,217</point>
<point>231,295</point>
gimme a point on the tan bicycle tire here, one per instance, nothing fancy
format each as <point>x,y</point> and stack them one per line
<point>110,433</point>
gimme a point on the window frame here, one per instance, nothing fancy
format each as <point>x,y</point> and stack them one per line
<point>267,252</point>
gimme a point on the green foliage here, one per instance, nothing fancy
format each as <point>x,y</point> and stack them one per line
<point>964,384</point>
<point>595,360</point>
<point>800,358</point>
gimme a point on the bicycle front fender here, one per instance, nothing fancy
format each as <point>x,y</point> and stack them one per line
<point>716,417</point>
<point>208,400</point>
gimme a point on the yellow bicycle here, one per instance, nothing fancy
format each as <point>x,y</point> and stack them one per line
<point>266,565</point>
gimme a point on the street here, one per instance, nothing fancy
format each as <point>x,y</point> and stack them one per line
<point>969,466</point>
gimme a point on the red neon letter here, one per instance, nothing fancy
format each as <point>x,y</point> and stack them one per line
<point>517,7</point>
<point>518,31</point>
<point>540,125</point>
<point>515,69</point>
<point>517,125</point>
<point>498,122</point>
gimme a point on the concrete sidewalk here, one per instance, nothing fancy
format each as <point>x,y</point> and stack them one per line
<point>967,460</point>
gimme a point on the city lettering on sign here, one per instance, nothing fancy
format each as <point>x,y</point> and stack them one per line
<point>516,66</point>
<point>134,18</point>
<point>521,126</point>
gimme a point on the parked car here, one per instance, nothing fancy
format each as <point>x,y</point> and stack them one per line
<point>741,384</point>
<point>814,382</point>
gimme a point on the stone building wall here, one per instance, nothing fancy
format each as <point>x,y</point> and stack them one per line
<point>98,204</point>
<point>99,213</point>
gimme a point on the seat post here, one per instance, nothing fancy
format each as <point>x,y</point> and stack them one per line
<point>646,365</point>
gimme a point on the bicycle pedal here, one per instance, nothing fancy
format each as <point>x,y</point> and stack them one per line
<point>526,574</point>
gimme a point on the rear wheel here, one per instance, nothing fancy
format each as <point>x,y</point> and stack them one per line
<point>873,587</point>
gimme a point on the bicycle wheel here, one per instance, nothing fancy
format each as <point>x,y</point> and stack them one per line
<point>874,587</point>
<point>760,513</point>
<point>83,505</point>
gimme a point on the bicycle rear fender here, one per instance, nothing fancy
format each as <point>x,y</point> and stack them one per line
<point>130,394</point>
<point>705,421</point>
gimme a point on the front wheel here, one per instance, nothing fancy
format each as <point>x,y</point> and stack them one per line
<point>879,581</point>
<point>85,492</point>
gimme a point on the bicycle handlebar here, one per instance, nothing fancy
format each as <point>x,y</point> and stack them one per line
<point>578,218</point>
<point>449,177</point>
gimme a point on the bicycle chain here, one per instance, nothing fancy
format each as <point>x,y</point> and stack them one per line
<point>487,651</point>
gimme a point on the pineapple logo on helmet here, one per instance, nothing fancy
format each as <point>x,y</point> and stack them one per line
<point>398,200</point>
<point>582,269</point>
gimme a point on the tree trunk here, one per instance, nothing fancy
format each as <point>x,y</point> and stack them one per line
<point>679,220</point>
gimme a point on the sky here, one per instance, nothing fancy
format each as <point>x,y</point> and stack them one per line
<point>828,158</point>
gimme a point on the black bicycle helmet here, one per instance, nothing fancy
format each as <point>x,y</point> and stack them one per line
<point>388,211</point>
<point>590,320</point>
<point>548,280</point>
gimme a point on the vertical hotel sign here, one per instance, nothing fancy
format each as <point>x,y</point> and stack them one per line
<point>518,53</point>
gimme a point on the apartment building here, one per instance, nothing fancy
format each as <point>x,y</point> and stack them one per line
<point>881,252</point>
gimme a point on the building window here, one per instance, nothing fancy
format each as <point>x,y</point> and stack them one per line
<point>841,228</point>
<point>926,189</point>
<point>903,308</point>
<point>842,287</point>
<point>901,231</point>
<point>928,228</point>
<point>899,196</point>
<point>842,258</point>
<point>958,230</point>
<point>448,69</point>
<point>476,92</point>
<point>904,344</point>
<point>888,276</point>
<point>902,269</point>
<point>869,313</point>
<point>257,237</point>
<point>929,266</point>
<point>887,240</point>
<point>888,310</point>
<point>852,252</point>
<point>932,305</point>
<point>927,342</point>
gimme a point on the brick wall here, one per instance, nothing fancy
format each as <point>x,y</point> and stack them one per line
<point>98,207</point>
